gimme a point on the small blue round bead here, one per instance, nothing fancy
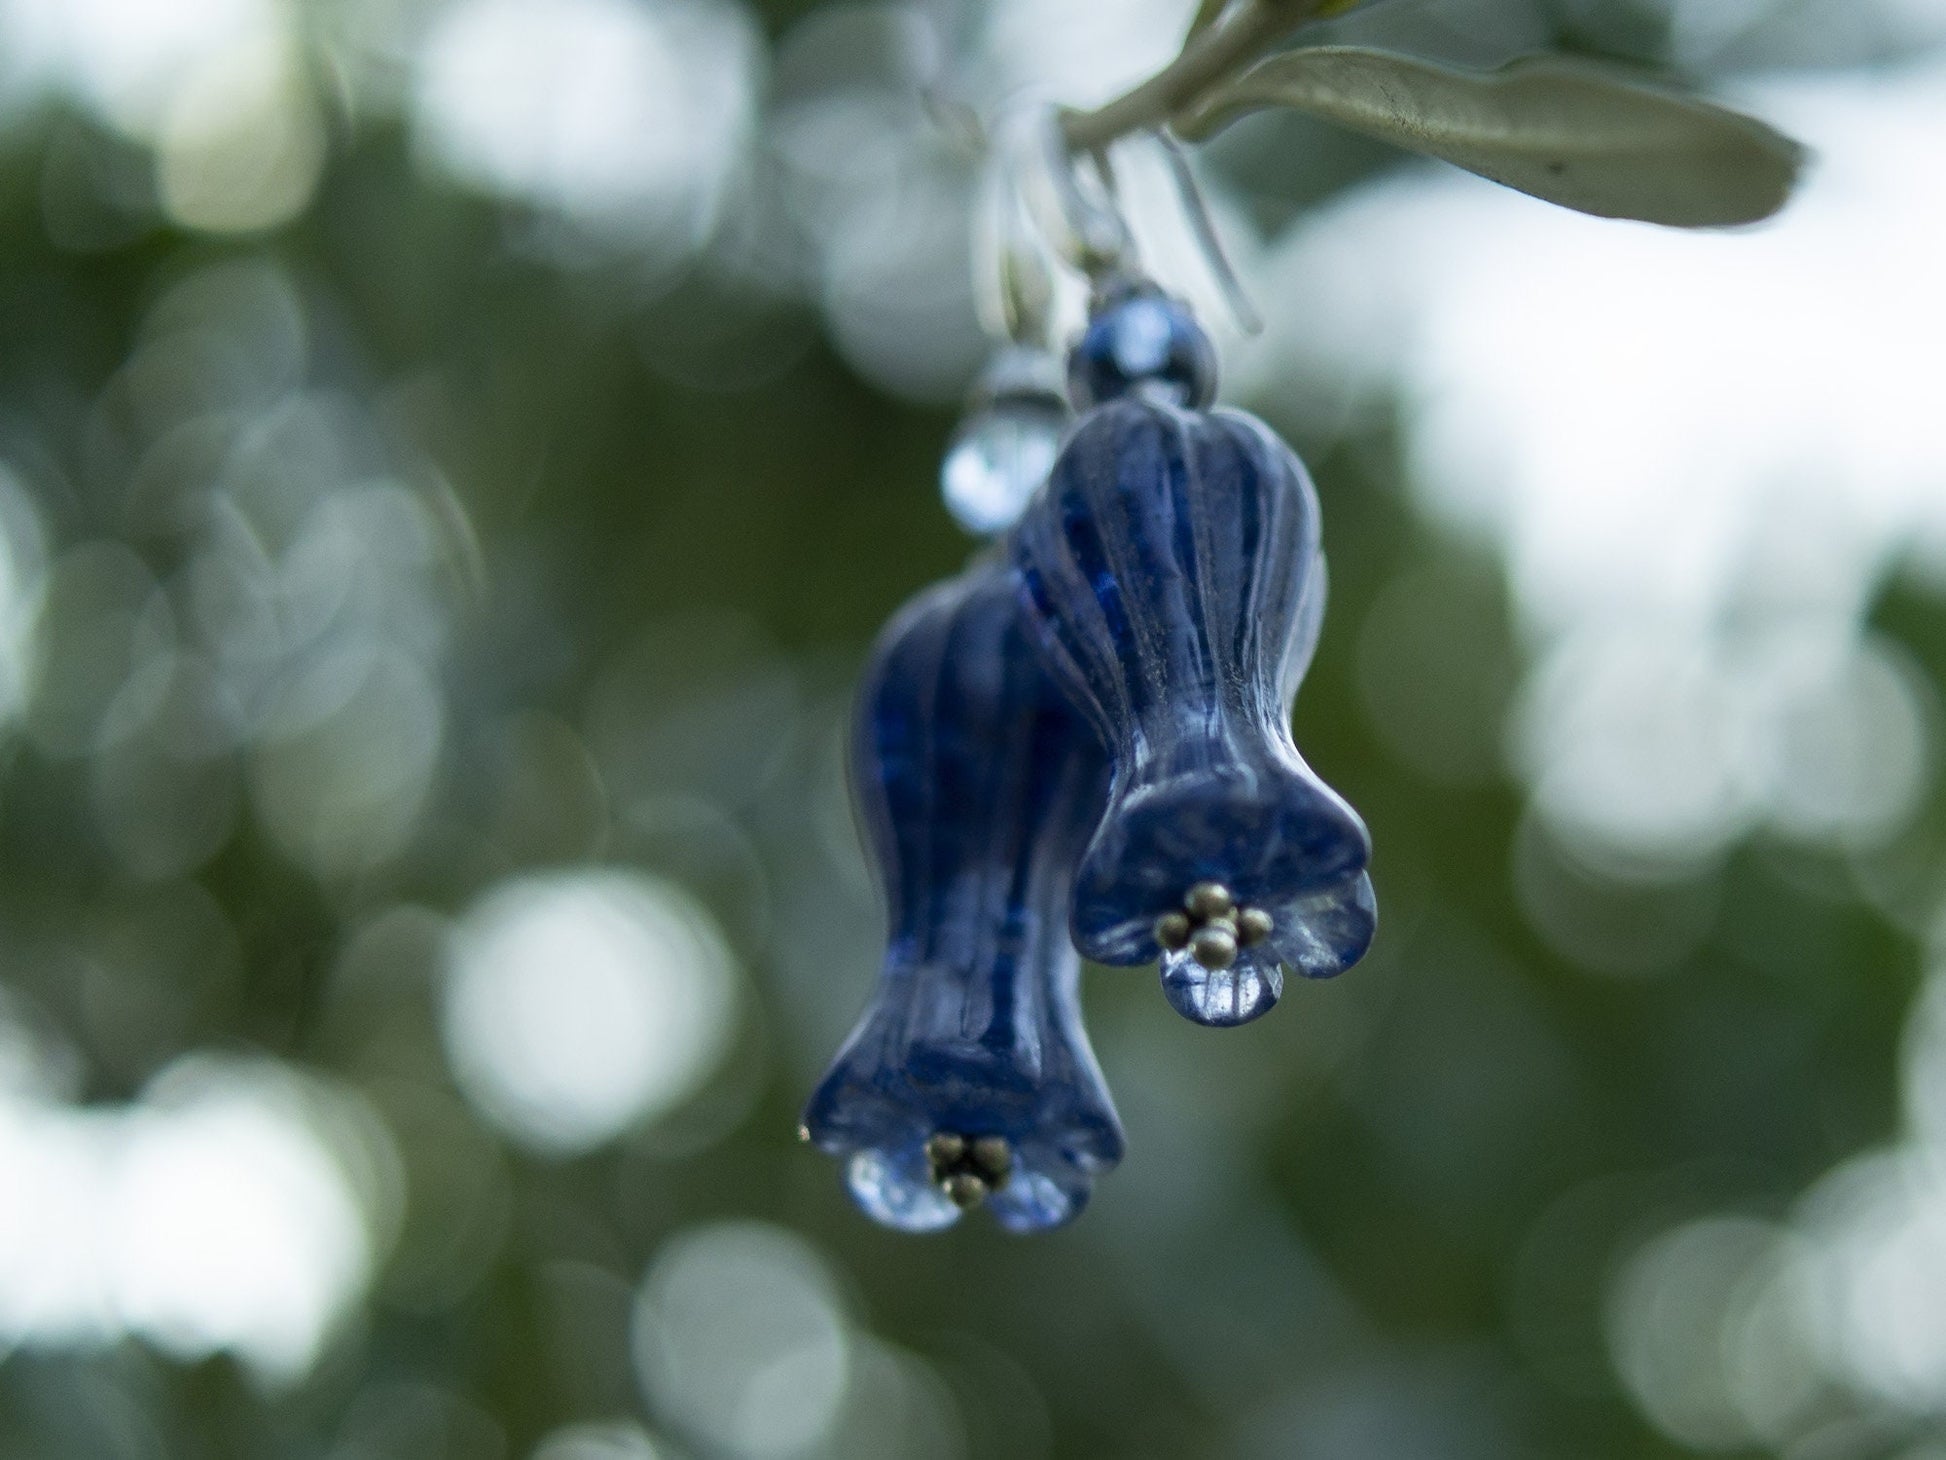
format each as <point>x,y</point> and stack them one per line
<point>1143,342</point>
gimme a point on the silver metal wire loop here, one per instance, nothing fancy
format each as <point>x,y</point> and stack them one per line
<point>1203,227</point>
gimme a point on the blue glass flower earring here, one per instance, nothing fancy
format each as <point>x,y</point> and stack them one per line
<point>1082,746</point>
<point>969,1080</point>
<point>1174,578</point>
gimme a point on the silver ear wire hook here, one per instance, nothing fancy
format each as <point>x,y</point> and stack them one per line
<point>1015,287</point>
<point>1087,231</point>
<point>1086,226</point>
<point>1203,227</point>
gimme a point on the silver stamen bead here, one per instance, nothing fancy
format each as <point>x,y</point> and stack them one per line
<point>944,1150</point>
<point>1172,931</point>
<point>1209,900</point>
<point>965,1190</point>
<point>1214,946</point>
<point>993,1158</point>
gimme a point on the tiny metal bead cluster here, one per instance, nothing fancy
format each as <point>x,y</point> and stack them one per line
<point>1081,748</point>
<point>1211,927</point>
<point>966,1170</point>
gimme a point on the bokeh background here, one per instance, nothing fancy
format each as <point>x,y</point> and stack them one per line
<point>453,457</point>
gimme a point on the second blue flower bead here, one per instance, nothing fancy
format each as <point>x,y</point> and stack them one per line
<point>969,1080</point>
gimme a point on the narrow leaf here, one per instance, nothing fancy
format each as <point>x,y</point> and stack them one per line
<point>1570,131</point>
<point>1206,16</point>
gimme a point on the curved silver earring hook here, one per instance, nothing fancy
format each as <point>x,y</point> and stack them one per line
<point>1085,229</point>
<point>1013,283</point>
<point>1196,208</point>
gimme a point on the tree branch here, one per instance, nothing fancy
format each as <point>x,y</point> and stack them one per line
<point>1211,55</point>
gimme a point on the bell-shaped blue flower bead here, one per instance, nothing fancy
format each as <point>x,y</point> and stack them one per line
<point>1173,573</point>
<point>977,786</point>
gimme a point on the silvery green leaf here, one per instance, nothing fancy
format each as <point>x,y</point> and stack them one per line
<point>1569,131</point>
<point>1208,12</point>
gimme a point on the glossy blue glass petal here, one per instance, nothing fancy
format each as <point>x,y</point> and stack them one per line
<point>1328,931</point>
<point>1222,997</point>
<point>969,1079</point>
<point>1174,576</point>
